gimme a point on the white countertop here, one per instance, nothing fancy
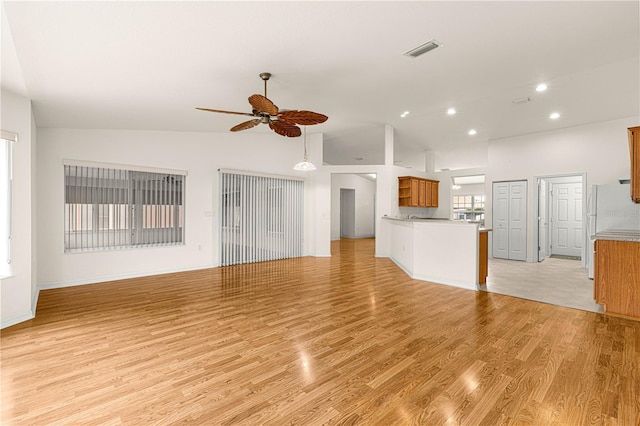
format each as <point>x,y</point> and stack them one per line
<point>437,220</point>
<point>619,235</point>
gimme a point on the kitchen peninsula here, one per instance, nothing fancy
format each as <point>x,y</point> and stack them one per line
<point>439,250</point>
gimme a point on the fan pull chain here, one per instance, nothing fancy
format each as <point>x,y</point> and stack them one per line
<point>305,143</point>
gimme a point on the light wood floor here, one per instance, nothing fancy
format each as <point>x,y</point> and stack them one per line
<point>343,340</point>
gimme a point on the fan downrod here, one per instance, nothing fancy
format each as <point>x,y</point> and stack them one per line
<point>265,76</point>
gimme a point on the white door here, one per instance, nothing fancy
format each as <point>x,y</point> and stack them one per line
<point>566,225</point>
<point>518,220</point>
<point>510,220</point>
<point>501,220</point>
<point>542,220</point>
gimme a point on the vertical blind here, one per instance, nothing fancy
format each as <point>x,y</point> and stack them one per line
<point>261,218</point>
<point>109,208</point>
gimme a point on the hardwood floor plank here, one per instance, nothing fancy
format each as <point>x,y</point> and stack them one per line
<point>343,340</point>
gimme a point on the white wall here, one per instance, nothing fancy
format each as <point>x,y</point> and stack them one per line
<point>473,155</point>
<point>365,190</point>
<point>18,292</point>
<point>600,150</point>
<point>200,154</point>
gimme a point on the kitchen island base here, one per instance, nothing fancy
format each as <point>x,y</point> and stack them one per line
<point>439,251</point>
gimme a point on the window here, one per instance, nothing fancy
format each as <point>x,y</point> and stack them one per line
<point>468,207</point>
<point>6,141</point>
<point>108,208</point>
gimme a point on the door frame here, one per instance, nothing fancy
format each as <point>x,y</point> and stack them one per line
<point>535,242</point>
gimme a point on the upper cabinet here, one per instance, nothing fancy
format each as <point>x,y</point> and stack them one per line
<point>634,151</point>
<point>417,192</point>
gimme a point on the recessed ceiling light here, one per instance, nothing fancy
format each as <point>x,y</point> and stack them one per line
<point>451,111</point>
<point>404,114</point>
<point>541,87</point>
<point>472,132</point>
<point>554,115</point>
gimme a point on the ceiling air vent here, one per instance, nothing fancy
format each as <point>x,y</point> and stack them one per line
<point>430,45</point>
<point>522,100</point>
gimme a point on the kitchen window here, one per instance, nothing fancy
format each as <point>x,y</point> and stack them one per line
<point>468,207</point>
<point>116,207</point>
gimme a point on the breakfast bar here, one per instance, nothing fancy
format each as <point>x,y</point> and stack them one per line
<point>449,252</point>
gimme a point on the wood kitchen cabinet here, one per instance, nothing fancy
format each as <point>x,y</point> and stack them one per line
<point>417,192</point>
<point>616,283</point>
<point>634,153</point>
<point>483,256</point>
<point>434,193</point>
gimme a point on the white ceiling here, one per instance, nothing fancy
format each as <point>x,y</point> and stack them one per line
<point>146,65</point>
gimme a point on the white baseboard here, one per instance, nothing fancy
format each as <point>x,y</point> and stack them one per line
<point>435,280</point>
<point>62,284</point>
<point>355,237</point>
<point>17,319</point>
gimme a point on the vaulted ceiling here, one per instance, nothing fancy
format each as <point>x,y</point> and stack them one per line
<point>146,65</point>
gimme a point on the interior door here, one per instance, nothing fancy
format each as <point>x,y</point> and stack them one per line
<point>542,220</point>
<point>518,220</point>
<point>566,225</point>
<point>510,220</point>
<point>501,220</point>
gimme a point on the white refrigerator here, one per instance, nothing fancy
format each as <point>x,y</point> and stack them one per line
<point>610,209</point>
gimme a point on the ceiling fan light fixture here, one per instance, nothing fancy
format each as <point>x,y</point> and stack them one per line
<point>422,49</point>
<point>305,165</point>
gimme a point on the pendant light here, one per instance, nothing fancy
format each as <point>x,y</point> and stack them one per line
<point>304,165</point>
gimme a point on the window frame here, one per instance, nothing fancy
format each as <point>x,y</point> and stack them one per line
<point>469,207</point>
<point>148,207</point>
<point>8,138</point>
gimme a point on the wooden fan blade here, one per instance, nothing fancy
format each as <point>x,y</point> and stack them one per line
<point>263,104</point>
<point>226,112</point>
<point>285,129</point>
<point>304,118</point>
<point>246,125</point>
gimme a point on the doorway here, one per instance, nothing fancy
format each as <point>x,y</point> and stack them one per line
<point>353,205</point>
<point>347,213</point>
<point>561,211</point>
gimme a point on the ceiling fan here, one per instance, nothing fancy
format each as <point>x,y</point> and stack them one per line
<point>283,122</point>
